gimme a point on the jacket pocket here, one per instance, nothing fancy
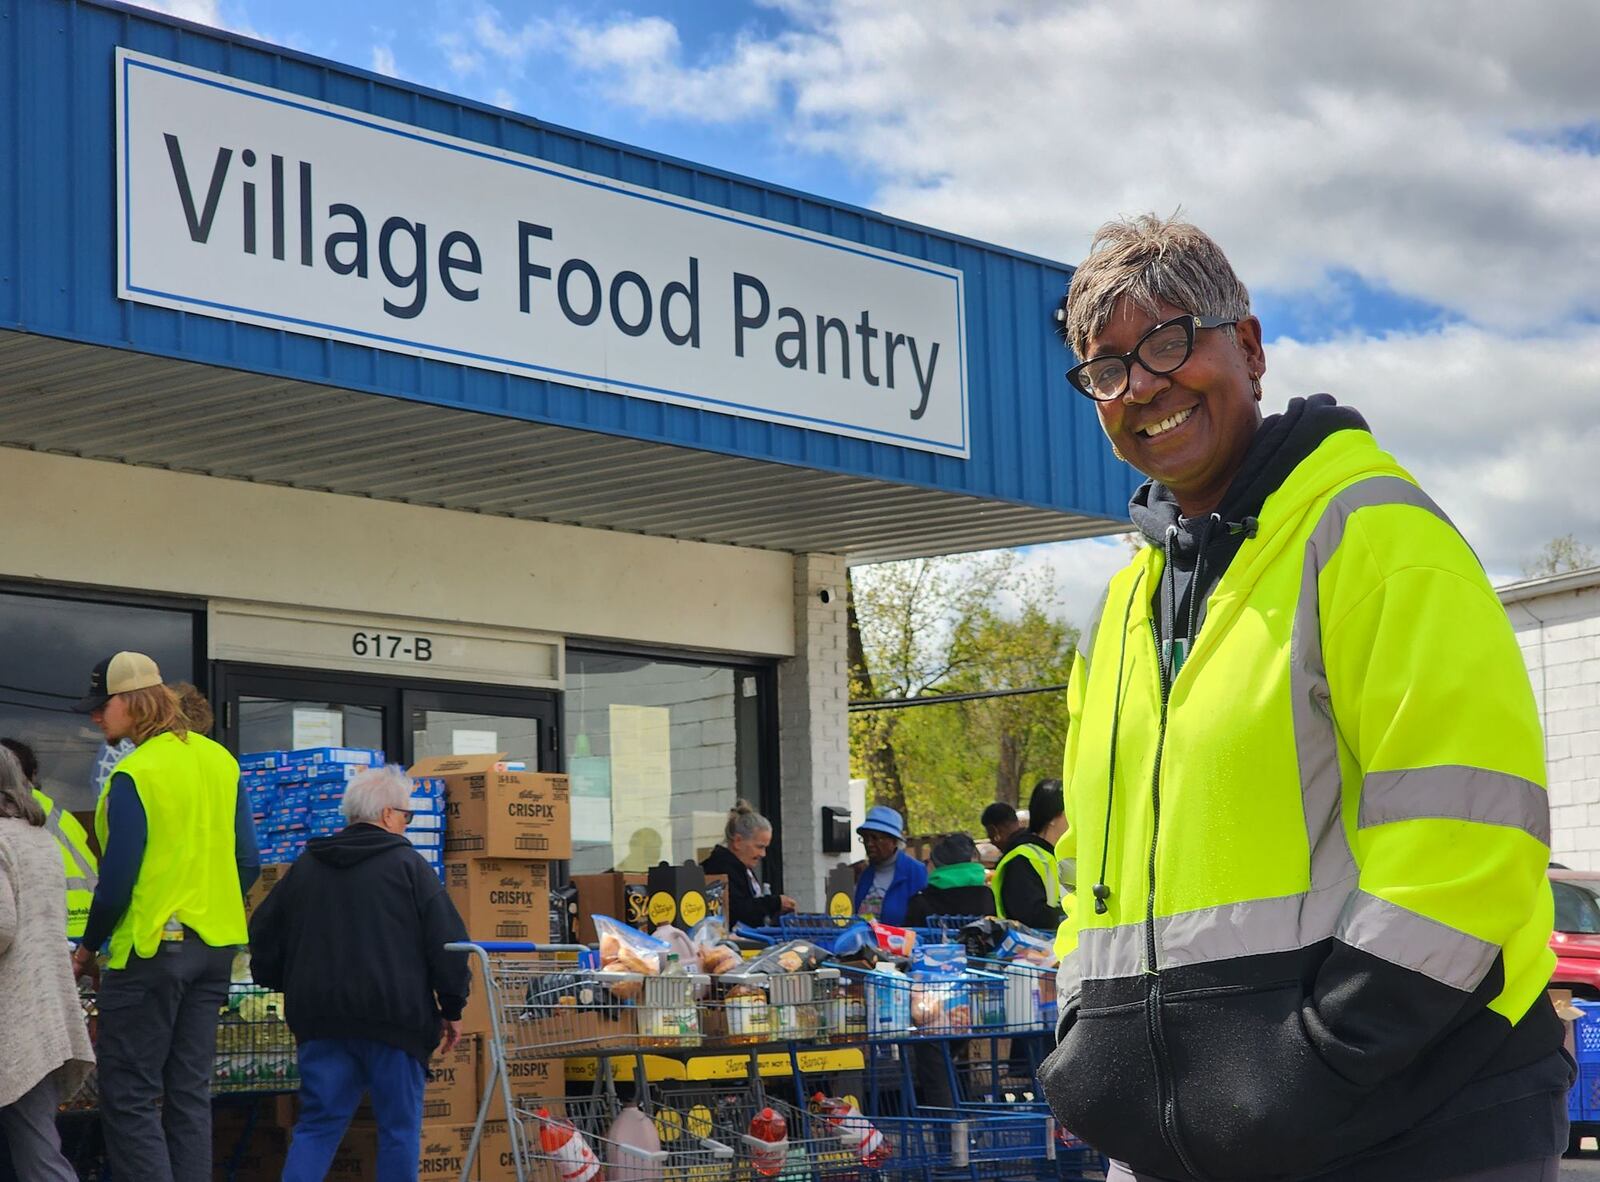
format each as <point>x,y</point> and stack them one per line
<point>1254,1098</point>
<point>1100,1082</point>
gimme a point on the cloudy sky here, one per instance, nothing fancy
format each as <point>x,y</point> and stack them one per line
<point>1411,190</point>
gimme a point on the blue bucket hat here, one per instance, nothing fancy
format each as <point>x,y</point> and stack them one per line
<point>883,819</point>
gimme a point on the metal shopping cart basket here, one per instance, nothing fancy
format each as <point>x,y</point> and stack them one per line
<point>750,1010</point>
<point>860,1147</point>
<point>543,1002</point>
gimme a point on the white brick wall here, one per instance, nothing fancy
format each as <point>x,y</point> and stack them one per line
<point>813,725</point>
<point>1560,637</point>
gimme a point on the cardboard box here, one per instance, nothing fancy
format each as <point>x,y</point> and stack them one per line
<point>501,898</point>
<point>475,1016</point>
<point>495,1162</point>
<point>495,814</point>
<point>253,1154</point>
<point>452,1094</point>
<point>621,896</point>
<point>271,875</point>
<point>535,1084</point>
<point>677,895</point>
<point>444,1153</point>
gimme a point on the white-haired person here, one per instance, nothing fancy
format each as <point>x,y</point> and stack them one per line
<point>47,1045</point>
<point>354,937</point>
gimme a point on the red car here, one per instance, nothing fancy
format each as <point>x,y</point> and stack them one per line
<point>1577,936</point>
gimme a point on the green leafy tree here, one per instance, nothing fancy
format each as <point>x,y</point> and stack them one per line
<point>1561,555</point>
<point>953,626</point>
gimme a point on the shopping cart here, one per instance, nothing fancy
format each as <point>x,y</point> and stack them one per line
<point>748,1010</point>
<point>857,1147</point>
<point>544,1002</point>
<point>899,1006</point>
<point>255,1053</point>
<point>687,1154</point>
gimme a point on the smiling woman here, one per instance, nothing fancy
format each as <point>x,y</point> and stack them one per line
<point>1304,777</point>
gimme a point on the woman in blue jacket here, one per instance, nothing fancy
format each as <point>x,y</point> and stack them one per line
<point>892,876</point>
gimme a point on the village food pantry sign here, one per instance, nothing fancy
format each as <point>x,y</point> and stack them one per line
<point>246,203</point>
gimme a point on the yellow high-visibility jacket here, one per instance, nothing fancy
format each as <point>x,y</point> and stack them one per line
<point>189,789</point>
<point>77,861</point>
<point>1312,908</point>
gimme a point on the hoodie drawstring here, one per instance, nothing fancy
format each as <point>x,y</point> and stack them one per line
<point>1101,891</point>
<point>1249,527</point>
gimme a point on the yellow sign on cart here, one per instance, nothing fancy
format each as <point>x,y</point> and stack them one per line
<point>623,1067</point>
<point>713,1067</point>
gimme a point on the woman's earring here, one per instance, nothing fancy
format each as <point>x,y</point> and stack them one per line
<point>1255,388</point>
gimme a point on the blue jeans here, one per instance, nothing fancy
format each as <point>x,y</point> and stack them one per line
<point>334,1072</point>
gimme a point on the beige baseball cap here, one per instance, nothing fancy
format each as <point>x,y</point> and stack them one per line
<point>117,675</point>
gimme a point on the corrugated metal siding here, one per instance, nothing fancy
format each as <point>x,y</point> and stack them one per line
<point>103,403</point>
<point>1032,443</point>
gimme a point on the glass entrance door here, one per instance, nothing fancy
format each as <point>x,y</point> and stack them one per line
<point>453,723</point>
<point>271,709</point>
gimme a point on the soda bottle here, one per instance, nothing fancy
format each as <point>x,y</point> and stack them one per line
<point>567,1148</point>
<point>855,1132</point>
<point>769,1143</point>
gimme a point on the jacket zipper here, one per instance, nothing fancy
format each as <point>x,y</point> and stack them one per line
<point>1166,1092</point>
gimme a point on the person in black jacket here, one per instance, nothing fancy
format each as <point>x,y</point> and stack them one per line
<point>955,884</point>
<point>745,841</point>
<point>1027,882</point>
<point>354,938</point>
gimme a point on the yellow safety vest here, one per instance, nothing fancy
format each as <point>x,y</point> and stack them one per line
<point>189,789</point>
<point>1333,762</point>
<point>77,862</point>
<point>1043,865</point>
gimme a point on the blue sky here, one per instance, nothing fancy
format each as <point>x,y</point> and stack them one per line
<point>1408,190</point>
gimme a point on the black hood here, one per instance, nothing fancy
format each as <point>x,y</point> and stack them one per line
<point>353,845</point>
<point>1280,443</point>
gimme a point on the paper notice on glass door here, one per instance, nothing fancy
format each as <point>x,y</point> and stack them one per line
<point>474,742</point>
<point>641,786</point>
<point>318,728</point>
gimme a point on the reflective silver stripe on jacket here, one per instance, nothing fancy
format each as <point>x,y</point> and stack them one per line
<point>1333,906</point>
<point>86,879</point>
<point>1456,793</point>
<point>1069,981</point>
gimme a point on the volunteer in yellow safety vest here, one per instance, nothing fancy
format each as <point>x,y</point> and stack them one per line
<point>77,859</point>
<point>1305,782</point>
<point>179,851</point>
<point>1027,882</point>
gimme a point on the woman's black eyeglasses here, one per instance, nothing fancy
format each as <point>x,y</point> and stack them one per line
<point>1162,350</point>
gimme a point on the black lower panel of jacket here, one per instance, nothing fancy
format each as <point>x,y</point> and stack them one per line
<point>1321,1063</point>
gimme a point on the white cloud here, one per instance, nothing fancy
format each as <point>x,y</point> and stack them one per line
<point>1385,138</point>
<point>201,12</point>
<point>383,61</point>
<point>1078,573</point>
<point>462,56</point>
<point>1424,147</point>
<point>1500,430</point>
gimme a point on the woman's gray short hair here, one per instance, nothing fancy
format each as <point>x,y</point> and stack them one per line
<point>1151,261</point>
<point>16,794</point>
<point>744,821</point>
<point>376,789</point>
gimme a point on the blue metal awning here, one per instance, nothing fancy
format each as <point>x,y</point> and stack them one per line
<point>89,373</point>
